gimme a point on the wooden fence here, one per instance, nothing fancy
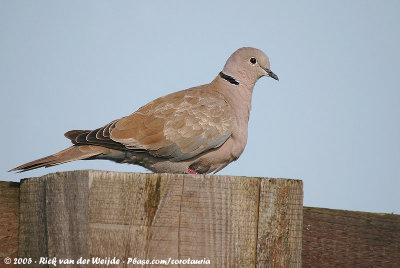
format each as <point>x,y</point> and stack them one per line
<point>222,220</point>
<point>231,221</point>
<point>342,238</point>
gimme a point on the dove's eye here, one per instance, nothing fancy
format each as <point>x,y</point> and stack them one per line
<point>253,60</point>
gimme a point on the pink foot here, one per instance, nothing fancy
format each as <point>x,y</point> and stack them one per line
<point>191,171</point>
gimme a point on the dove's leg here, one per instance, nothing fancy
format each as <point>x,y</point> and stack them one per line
<point>191,171</point>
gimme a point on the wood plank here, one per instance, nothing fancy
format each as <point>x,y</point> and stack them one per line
<point>342,238</point>
<point>177,216</point>
<point>53,216</point>
<point>32,242</point>
<point>67,203</point>
<point>122,215</point>
<point>9,220</point>
<point>280,223</point>
<point>219,220</point>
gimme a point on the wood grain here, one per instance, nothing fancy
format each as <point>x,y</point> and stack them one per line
<point>32,242</point>
<point>53,216</point>
<point>280,223</point>
<point>342,238</point>
<point>231,221</point>
<point>9,220</point>
<point>178,216</point>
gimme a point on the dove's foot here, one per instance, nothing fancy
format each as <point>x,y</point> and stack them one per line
<point>191,171</point>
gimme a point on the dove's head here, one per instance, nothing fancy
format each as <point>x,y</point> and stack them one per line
<point>246,65</point>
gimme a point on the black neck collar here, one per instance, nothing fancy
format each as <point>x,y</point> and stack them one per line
<point>228,78</point>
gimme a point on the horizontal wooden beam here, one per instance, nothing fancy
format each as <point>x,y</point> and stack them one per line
<point>342,238</point>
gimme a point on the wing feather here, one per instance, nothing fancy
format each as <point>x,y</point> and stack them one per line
<point>178,126</point>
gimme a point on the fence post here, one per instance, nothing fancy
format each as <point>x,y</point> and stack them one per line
<point>224,220</point>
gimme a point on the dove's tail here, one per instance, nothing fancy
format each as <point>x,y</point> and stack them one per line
<point>70,154</point>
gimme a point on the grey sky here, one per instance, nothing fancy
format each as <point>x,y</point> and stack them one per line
<point>332,120</point>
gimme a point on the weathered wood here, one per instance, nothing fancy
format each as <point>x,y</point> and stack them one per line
<point>280,223</point>
<point>53,216</point>
<point>175,216</point>
<point>9,220</point>
<point>342,238</point>
<point>231,221</point>
<point>177,219</point>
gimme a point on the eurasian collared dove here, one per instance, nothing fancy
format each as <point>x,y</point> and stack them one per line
<point>197,130</point>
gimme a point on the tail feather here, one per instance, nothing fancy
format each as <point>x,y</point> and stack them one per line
<point>70,154</point>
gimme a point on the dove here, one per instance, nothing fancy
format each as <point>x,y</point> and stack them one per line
<point>199,130</point>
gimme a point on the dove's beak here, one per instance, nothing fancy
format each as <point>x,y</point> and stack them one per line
<point>271,74</point>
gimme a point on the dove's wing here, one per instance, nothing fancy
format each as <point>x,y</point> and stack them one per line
<point>178,126</point>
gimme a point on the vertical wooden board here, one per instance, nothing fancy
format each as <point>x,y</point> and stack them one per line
<point>218,220</point>
<point>161,216</point>
<point>9,220</point>
<point>53,216</point>
<point>280,223</point>
<point>163,234</point>
<point>67,201</point>
<point>125,219</point>
<point>32,219</point>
